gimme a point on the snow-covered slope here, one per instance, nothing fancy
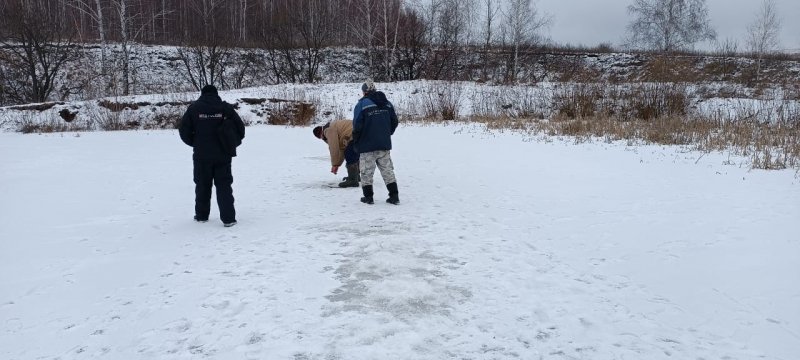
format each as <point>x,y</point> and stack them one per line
<point>502,248</point>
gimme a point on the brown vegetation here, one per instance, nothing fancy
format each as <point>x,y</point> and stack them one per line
<point>768,133</point>
<point>291,113</point>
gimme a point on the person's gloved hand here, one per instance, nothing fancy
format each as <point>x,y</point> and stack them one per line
<point>334,169</point>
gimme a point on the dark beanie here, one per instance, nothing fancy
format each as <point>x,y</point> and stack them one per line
<point>209,90</point>
<point>368,86</point>
<point>318,132</point>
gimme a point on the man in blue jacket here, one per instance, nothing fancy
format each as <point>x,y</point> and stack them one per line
<point>214,129</point>
<point>374,123</point>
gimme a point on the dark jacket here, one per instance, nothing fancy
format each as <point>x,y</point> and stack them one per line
<point>213,128</point>
<point>374,123</point>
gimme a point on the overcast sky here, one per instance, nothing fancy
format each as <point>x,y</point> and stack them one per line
<point>591,22</point>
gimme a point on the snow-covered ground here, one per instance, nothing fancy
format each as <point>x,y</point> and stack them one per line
<point>502,248</point>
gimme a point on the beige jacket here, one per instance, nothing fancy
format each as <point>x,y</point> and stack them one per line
<point>338,135</point>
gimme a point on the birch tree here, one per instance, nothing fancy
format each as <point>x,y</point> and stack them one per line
<point>126,35</point>
<point>523,23</point>
<point>450,30</point>
<point>669,25</point>
<point>94,10</point>
<point>131,22</point>
<point>362,24</point>
<point>391,21</point>
<point>762,33</point>
<point>491,9</point>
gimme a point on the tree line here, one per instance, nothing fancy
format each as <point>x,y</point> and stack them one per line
<point>401,39</point>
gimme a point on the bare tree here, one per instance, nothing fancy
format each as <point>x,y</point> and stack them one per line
<point>280,41</point>
<point>669,25</point>
<point>726,52</point>
<point>132,23</point>
<point>243,20</point>
<point>94,9</point>
<point>451,30</point>
<point>413,46</point>
<point>727,47</point>
<point>205,64</point>
<point>391,20</point>
<point>125,23</point>
<point>206,11</point>
<point>762,33</point>
<point>206,57</point>
<point>492,9</point>
<point>314,22</point>
<point>362,24</point>
<point>523,22</point>
<point>37,42</point>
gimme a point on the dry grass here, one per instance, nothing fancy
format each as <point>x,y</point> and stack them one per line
<point>293,107</point>
<point>442,101</point>
<point>665,68</point>
<point>658,100</point>
<point>579,101</point>
<point>165,117</point>
<point>27,123</point>
<point>109,119</point>
<point>116,106</point>
<point>765,132</point>
<point>291,113</point>
<point>512,102</point>
<point>768,146</point>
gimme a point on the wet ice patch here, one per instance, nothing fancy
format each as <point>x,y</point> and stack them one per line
<point>383,271</point>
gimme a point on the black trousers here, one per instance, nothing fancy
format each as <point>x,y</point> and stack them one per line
<point>219,173</point>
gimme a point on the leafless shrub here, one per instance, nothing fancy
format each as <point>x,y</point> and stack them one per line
<point>792,92</point>
<point>164,117</point>
<point>284,112</point>
<point>758,111</point>
<point>414,108</point>
<point>657,100</point>
<point>442,101</point>
<point>765,132</point>
<point>28,122</point>
<point>116,106</point>
<point>292,107</point>
<point>580,100</point>
<point>524,102</point>
<point>508,102</point>
<point>485,102</point>
<point>108,120</point>
<point>568,68</point>
<point>723,91</point>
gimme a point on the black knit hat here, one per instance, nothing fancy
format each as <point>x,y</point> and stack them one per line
<point>209,90</point>
<point>318,132</point>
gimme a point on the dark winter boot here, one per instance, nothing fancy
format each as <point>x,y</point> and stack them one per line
<point>352,177</point>
<point>393,197</point>
<point>367,199</point>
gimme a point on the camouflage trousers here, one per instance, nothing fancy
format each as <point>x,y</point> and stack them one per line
<point>383,160</point>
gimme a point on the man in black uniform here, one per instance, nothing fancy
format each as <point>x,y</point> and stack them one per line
<point>214,129</point>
